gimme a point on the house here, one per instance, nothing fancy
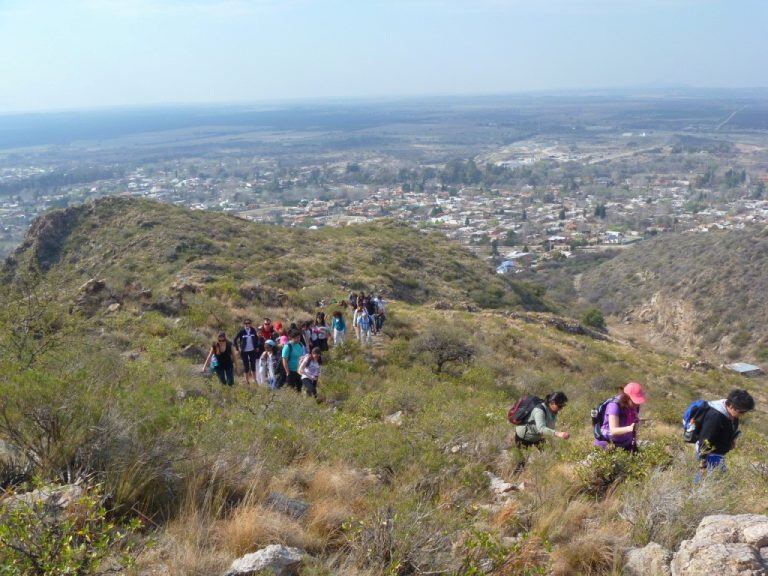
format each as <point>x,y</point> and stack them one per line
<point>520,259</point>
<point>744,369</point>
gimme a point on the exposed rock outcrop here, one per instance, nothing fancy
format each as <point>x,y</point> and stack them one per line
<point>651,560</point>
<point>275,559</point>
<point>725,545</point>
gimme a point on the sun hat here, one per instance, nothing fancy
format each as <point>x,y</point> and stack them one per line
<point>269,343</point>
<point>635,392</point>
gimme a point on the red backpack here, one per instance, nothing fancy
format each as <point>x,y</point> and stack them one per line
<point>522,409</point>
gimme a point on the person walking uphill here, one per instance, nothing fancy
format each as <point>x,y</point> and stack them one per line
<point>250,345</point>
<point>220,358</point>
<point>291,354</point>
<point>309,369</point>
<point>339,328</point>
<point>541,422</point>
<point>617,419</point>
<point>719,427</point>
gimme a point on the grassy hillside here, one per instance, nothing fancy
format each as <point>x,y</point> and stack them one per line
<point>704,290</point>
<point>392,460</point>
<point>138,244</point>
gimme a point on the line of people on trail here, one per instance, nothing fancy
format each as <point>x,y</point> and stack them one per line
<point>276,356</point>
<point>712,426</point>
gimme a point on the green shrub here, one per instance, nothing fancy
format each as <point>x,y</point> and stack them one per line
<point>603,469</point>
<point>594,318</point>
<point>40,540</point>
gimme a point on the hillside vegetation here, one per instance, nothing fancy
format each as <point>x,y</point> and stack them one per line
<point>100,383</point>
<point>702,291</point>
<point>138,244</point>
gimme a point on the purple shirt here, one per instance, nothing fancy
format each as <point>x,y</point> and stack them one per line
<point>626,417</point>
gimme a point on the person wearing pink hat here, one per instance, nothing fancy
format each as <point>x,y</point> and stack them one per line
<point>621,418</point>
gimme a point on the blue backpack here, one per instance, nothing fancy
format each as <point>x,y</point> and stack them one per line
<point>692,418</point>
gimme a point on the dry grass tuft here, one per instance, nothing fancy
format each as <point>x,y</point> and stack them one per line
<point>252,527</point>
<point>591,552</point>
<point>528,558</point>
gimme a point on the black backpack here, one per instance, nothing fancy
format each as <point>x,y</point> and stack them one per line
<point>598,417</point>
<point>521,410</point>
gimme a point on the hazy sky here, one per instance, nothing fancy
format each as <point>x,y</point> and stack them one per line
<point>86,53</point>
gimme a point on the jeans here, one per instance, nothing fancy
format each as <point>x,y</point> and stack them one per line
<point>365,336</point>
<point>226,374</point>
<point>310,386</point>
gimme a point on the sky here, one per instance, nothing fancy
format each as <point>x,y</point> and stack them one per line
<point>79,54</point>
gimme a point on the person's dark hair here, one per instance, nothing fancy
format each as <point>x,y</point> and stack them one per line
<point>740,400</point>
<point>320,318</point>
<point>247,321</point>
<point>558,398</point>
<point>294,333</point>
<point>319,353</point>
<point>337,314</point>
<point>222,334</point>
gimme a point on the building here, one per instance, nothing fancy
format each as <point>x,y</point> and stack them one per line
<point>744,369</point>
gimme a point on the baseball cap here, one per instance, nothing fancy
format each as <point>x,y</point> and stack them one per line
<point>635,392</point>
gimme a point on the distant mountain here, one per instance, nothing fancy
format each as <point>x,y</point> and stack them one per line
<point>702,290</point>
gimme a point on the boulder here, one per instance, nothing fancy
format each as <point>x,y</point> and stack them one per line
<point>725,545</point>
<point>92,286</point>
<point>293,507</point>
<point>193,352</point>
<point>651,560</point>
<point>276,559</point>
<point>53,499</point>
<point>395,419</point>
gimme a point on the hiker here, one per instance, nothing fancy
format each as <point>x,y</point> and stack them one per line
<point>339,328</point>
<point>620,419</point>
<point>271,366</point>
<point>720,428</point>
<point>380,315</point>
<point>267,329</point>
<point>320,332</point>
<point>249,345</point>
<point>363,325</point>
<point>541,422</point>
<point>221,359</point>
<point>370,307</point>
<point>291,355</point>
<point>309,369</point>
<point>352,300</point>
<point>306,334</point>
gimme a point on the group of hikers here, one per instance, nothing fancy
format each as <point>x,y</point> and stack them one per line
<point>712,426</point>
<point>274,355</point>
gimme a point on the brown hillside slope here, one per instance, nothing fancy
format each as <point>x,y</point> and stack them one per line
<point>704,291</point>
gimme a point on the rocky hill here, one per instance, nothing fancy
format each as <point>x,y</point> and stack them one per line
<point>703,291</point>
<point>113,442</point>
<point>141,245</point>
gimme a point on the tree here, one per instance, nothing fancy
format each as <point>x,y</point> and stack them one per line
<point>594,318</point>
<point>524,216</point>
<point>511,238</point>
<point>561,215</point>
<point>600,211</point>
<point>443,345</point>
<point>494,247</point>
<point>32,321</point>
